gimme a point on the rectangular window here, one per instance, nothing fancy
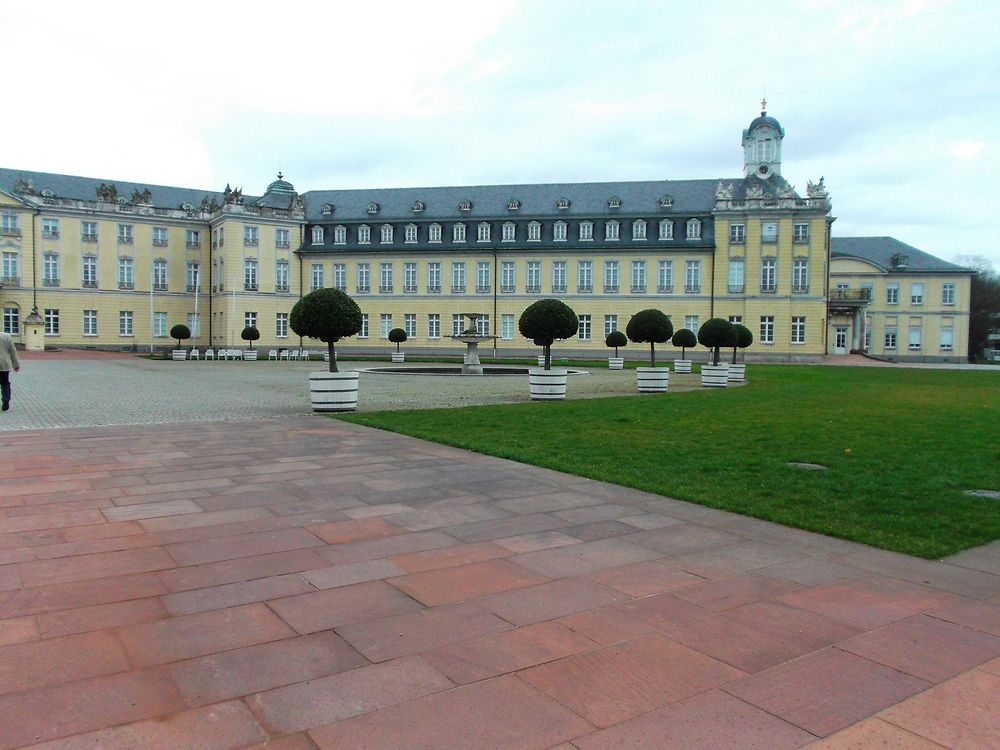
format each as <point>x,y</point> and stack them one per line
<point>558,276</point>
<point>638,277</point>
<point>583,332</point>
<point>317,235</point>
<point>281,325</point>
<point>507,327</point>
<point>559,231</point>
<point>509,232</point>
<point>160,275</point>
<point>948,294</point>
<point>457,326</point>
<point>611,230</point>
<point>734,319</point>
<point>666,229</point>
<point>51,322</point>
<point>768,275</point>
<point>458,233</point>
<point>586,230</point>
<point>508,277</point>
<point>798,330</point>
<point>192,276</point>
<point>585,276</point>
<point>8,272</point>
<point>159,236</point>
<point>194,324</point>
<point>126,273</point>
<point>410,277</point>
<point>533,282</point>
<point>125,323</point>
<point>737,234</point>
<point>767,329</point>
<point>250,274</point>
<point>50,270</point>
<point>249,319</point>
<point>890,338</point>
<point>611,276</point>
<point>434,326</point>
<point>800,275</point>
<point>484,284</point>
<point>50,229</point>
<point>386,236</point>
<point>385,278</point>
<point>610,324</point>
<point>363,333</point>
<point>692,276</point>
<point>914,339</point>
<point>282,238</point>
<point>12,321</point>
<point>694,229</point>
<point>916,294</point>
<point>384,325</point>
<point>125,234</point>
<point>364,234</point>
<point>316,277</point>
<point>340,276</point>
<point>434,277</point>
<point>88,272</point>
<point>947,339</point>
<point>638,229</point>
<point>192,238</point>
<point>691,323</point>
<point>735,282</point>
<point>534,232</point>
<point>483,325</point>
<point>435,233</point>
<point>364,278</point>
<point>483,232</point>
<point>281,276</point>
<point>769,231</point>
<point>90,323</point>
<point>219,237</point>
<point>892,294</point>
<point>411,233</point>
<point>160,324</point>
<point>410,325</point>
<point>458,278</point>
<point>250,236</point>
<point>800,233</point>
<point>88,231</point>
<point>340,235</point>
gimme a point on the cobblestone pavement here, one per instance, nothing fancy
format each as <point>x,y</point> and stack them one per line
<point>87,391</point>
<point>303,583</point>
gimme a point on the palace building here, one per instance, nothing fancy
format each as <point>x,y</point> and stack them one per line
<point>113,264</point>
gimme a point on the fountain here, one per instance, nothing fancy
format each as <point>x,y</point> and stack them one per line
<point>471,338</point>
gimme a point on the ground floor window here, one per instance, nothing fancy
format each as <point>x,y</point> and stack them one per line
<point>691,323</point>
<point>363,333</point>
<point>51,322</point>
<point>194,324</point>
<point>507,327</point>
<point>434,326</point>
<point>457,326</point>
<point>767,329</point>
<point>12,321</point>
<point>798,330</point>
<point>281,325</point>
<point>610,324</point>
<point>385,324</point>
<point>947,338</point>
<point>890,338</point>
<point>410,325</point>
<point>914,339</point>
<point>249,320</point>
<point>584,330</point>
<point>125,323</point>
<point>483,325</point>
<point>159,323</point>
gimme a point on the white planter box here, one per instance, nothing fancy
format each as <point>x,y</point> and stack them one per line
<point>334,391</point>
<point>250,355</point>
<point>652,379</point>
<point>178,355</point>
<point>541,360</point>
<point>399,357</point>
<point>616,363</point>
<point>682,365</point>
<point>546,385</point>
<point>737,372</point>
<point>715,376</point>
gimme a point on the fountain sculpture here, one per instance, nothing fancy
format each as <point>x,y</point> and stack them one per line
<point>471,337</point>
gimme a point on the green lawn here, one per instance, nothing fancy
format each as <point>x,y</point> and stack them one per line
<point>900,446</point>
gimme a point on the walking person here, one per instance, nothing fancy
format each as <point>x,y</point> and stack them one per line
<point>8,362</point>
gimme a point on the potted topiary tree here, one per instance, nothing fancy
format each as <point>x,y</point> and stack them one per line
<point>179,332</point>
<point>744,337</point>
<point>250,334</point>
<point>651,326</point>
<point>397,336</point>
<point>616,339</point>
<point>544,322</point>
<point>329,315</point>
<point>684,338</point>
<point>714,334</point>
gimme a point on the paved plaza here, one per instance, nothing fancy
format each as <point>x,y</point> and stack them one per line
<point>294,582</point>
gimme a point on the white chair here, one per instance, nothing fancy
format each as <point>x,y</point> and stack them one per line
<point>237,354</point>
<point>293,355</point>
<point>272,354</point>
<point>209,354</point>
<point>283,354</point>
<point>193,354</point>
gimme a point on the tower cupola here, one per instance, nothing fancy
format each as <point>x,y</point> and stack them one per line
<point>762,146</point>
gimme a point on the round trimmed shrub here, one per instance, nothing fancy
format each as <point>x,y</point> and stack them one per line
<point>397,336</point>
<point>716,333</point>
<point>650,326</point>
<point>250,334</point>
<point>684,338</point>
<point>744,337</point>
<point>180,331</point>
<point>616,339</point>
<point>547,321</point>
<point>328,315</point>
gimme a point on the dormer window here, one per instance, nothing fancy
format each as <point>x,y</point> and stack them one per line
<point>386,234</point>
<point>483,232</point>
<point>340,235</point>
<point>693,229</point>
<point>562,204</point>
<point>509,231</point>
<point>465,206</point>
<point>458,233</point>
<point>373,208</point>
<point>639,229</point>
<point>666,201</point>
<point>666,229</point>
<point>559,231</point>
<point>614,202</point>
<point>611,230</point>
<point>317,235</point>
<point>418,207</point>
<point>513,204</point>
<point>534,231</point>
<point>586,230</point>
<point>411,233</point>
<point>327,209</point>
<point>364,234</point>
<point>434,235</point>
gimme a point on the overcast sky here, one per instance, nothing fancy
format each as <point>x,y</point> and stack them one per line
<point>895,102</point>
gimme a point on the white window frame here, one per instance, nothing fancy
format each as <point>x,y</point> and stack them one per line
<point>559,231</point>
<point>768,275</point>
<point>585,276</point>
<point>384,325</point>
<point>800,233</point>
<point>692,230</point>
<point>458,232</point>
<point>340,235</point>
<point>340,276</point>
<point>612,230</point>
<point>638,278</point>
<point>409,277</point>
<point>483,231</point>
<point>386,234</point>
<point>363,277</point>
<point>534,231</point>
<point>666,229</point>
<point>90,323</point>
<point>766,329</point>
<point>484,282</point>
<point>736,276</point>
<point>692,277</point>
<point>507,327</point>
<point>434,277</point>
<point>509,232</point>
<point>612,276</point>
<point>584,328</point>
<point>410,325</point>
<point>737,233</point>
<point>281,325</point>
<point>533,277</point>
<point>798,329</point>
<point>917,293</point>
<point>126,323</point>
<point>364,234</point>
<point>317,235</point>
<point>892,294</point>
<point>508,276</point>
<point>948,294</point>
<point>586,230</point>
<point>458,277</point>
<point>610,324</point>
<point>434,233</point>
<point>385,278</point>
<point>691,323</point>
<point>559,276</point>
<point>434,326</point>
<point>410,235</point>
<point>639,230</point>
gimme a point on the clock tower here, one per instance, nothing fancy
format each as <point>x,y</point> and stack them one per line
<point>762,146</point>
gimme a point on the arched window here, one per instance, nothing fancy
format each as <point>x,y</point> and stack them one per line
<point>317,235</point>
<point>693,229</point>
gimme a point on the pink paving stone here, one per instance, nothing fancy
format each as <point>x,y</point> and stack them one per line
<point>711,721</point>
<point>101,565</point>
<point>340,532</point>
<point>499,714</point>
<point>417,562</point>
<point>151,510</point>
<point>730,593</point>
<point>510,651</point>
<point>100,616</point>
<point>17,630</point>
<point>925,647</point>
<point>242,569</point>
<point>383,509</point>
<point>235,594</point>
<point>537,540</point>
<point>102,531</point>
<point>826,691</point>
<point>203,633</point>
<point>288,742</point>
<point>253,669</point>
<point>78,594</point>
<point>874,733</point>
<point>85,705</point>
<point>618,682</point>
<point>961,713</point>
<point>606,625</point>
<point>810,629</point>
<point>586,557</point>
<point>305,705</point>
<point>733,559</point>
<point>203,519</point>
<point>373,549</point>
<point>548,601</point>
<point>459,583</point>
<point>10,578</point>
<point>242,545</point>
<point>345,575</point>
<point>993,667</point>
<point>225,726</point>
<point>643,579</point>
<point>413,632</point>
<point>333,608</point>
<point>39,663</point>
<point>982,616</point>
<point>809,571</point>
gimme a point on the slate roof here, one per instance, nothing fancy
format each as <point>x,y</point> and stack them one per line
<point>879,250</point>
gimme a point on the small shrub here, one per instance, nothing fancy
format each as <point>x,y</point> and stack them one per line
<point>547,321</point>
<point>179,332</point>
<point>716,333</point>
<point>744,337</point>
<point>328,315</point>
<point>250,334</point>
<point>397,336</point>
<point>650,326</point>
<point>684,338</point>
<point>616,339</point>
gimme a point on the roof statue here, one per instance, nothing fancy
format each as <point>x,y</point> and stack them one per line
<point>107,193</point>
<point>724,191</point>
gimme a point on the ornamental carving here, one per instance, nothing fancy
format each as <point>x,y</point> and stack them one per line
<point>755,191</point>
<point>786,192</point>
<point>107,193</point>
<point>24,187</point>
<point>817,189</point>
<point>723,191</point>
<point>232,197</point>
<point>209,204</point>
<point>296,203</point>
<point>141,197</point>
